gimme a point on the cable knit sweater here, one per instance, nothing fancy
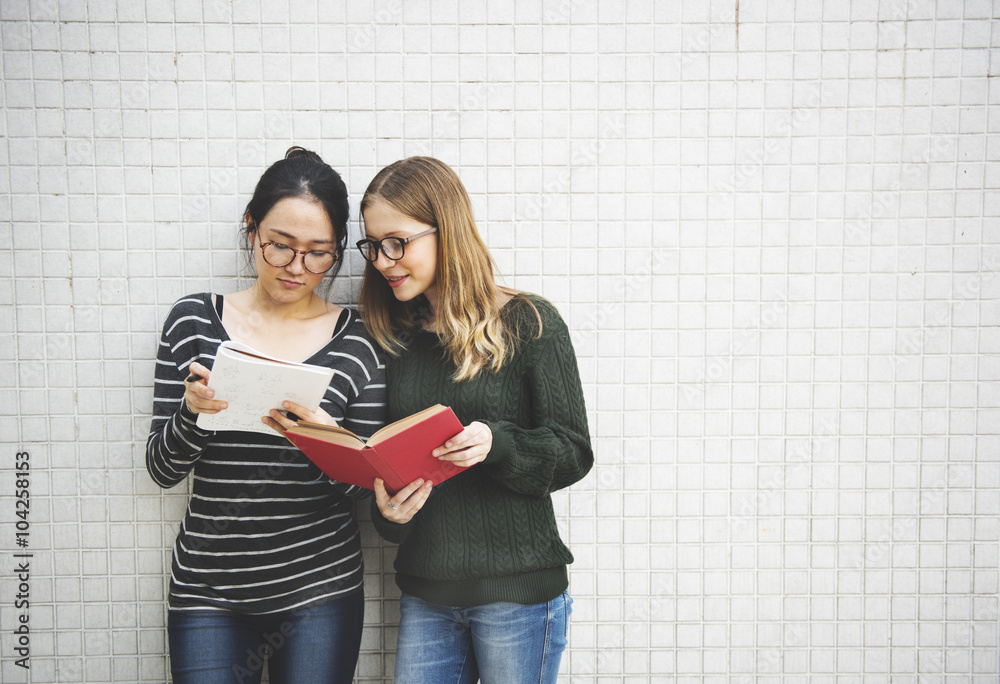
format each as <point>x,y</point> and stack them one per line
<point>489,534</point>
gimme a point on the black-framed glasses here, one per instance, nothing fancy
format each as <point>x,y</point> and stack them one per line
<point>393,247</point>
<point>316,261</point>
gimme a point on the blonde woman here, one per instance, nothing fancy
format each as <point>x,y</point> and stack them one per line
<point>481,567</point>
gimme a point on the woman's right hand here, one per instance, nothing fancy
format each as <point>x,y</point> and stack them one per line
<point>197,394</point>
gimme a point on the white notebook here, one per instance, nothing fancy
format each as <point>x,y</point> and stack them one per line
<point>252,384</point>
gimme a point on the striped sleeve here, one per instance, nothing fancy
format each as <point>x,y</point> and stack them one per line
<point>360,375</point>
<point>368,411</point>
<point>175,443</point>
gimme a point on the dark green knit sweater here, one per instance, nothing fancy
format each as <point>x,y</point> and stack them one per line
<point>489,534</point>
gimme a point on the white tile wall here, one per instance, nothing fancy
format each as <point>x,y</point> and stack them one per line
<point>774,229</point>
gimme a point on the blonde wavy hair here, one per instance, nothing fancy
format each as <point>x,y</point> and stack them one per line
<point>467,319</point>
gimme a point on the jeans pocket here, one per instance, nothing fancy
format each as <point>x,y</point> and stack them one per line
<point>568,602</point>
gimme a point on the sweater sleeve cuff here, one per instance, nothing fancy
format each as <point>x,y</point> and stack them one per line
<point>189,421</point>
<point>503,446</point>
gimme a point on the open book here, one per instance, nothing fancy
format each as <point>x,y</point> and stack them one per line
<point>399,453</point>
<point>252,384</point>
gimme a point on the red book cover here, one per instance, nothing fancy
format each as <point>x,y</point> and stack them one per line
<point>399,453</point>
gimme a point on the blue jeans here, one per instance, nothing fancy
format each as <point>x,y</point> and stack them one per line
<point>313,645</point>
<point>498,643</point>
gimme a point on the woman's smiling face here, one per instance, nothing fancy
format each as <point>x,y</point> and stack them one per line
<point>416,272</point>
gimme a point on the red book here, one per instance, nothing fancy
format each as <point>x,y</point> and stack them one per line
<point>399,453</point>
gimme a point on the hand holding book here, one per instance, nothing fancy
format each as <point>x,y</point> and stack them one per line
<point>404,504</point>
<point>279,422</point>
<point>399,454</point>
<point>200,399</point>
<point>252,385</point>
<point>468,447</point>
<point>199,396</point>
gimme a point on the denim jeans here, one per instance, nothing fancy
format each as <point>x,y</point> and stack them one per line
<point>497,643</point>
<point>318,643</point>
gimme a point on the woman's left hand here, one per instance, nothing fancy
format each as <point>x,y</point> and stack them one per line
<point>408,501</point>
<point>279,422</point>
<point>468,447</point>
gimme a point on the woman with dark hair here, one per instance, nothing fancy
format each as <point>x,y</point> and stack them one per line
<point>481,567</point>
<point>267,564</point>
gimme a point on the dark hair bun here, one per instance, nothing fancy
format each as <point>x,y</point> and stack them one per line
<point>302,173</point>
<point>296,152</point>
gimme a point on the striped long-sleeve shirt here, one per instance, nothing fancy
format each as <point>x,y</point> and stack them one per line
<point>265,529</point>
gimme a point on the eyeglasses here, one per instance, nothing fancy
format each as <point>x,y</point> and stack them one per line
<point>315,261</point>
<point>392,247</point>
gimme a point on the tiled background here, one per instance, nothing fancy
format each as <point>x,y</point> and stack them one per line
<point>773,229</point>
